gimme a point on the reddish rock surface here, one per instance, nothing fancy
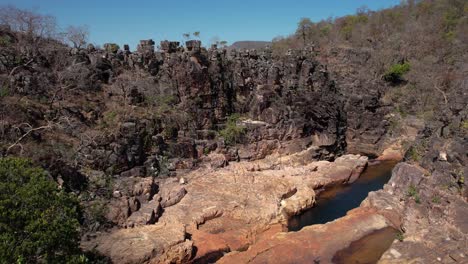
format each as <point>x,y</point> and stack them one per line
<point>313,243</point>
<point>225,209</point>
<point>159,243</point>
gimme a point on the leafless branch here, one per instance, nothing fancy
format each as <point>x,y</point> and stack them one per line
<point>49,125</point>
<point>19,66</point>
<point>442,92</point>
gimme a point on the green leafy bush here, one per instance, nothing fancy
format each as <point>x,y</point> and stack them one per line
<point>233,133</point>
<point>396,72</point>
<point>38,222</point>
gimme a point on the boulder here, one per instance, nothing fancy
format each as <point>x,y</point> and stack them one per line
<point>159,243</point>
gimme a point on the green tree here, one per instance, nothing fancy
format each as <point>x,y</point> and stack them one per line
<point>233,133</point>
<point>396,72</point>
<point>303,27</point>
<point>223,43</point>
<point>38,222</point>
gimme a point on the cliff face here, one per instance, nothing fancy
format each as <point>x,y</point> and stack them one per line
<point>112,125</point>
<point>138,107</point>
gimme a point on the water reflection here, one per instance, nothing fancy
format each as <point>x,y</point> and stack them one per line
<point>336,201</point>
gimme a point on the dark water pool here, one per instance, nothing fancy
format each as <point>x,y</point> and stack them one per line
<point>336,201</point>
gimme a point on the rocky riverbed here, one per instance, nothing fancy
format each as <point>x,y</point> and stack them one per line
<point>239,214</point>
<point>190,154</point>
<point>225,209</point>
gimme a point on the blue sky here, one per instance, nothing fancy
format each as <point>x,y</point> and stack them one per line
<point>127,21</point>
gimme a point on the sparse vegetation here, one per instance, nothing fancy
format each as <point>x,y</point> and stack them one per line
<point>413,192</point>
<point>233,133</point>
<point>396,72</point>
<point>414,154</point>
<point>110,119</point>
<point>4,91</point>
<point>400,236</point>
<point>141,115</point>
<point>97,213</point>
<point>111,47</point>
<point>399,34</point>
<point>464,125</point>
<point>77,35</point>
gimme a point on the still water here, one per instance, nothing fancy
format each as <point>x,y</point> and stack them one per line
<point>334,202</point>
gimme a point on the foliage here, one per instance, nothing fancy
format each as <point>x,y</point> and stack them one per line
<point>5,40</point>
<point>429,34</point>
<point>413,192</point>
<point>110,119</point>
<point>4,91</point>
<point>350,22</point>
<point>400,236</point>
<point>413,154</point>
<point>396,72</point>
<point>38,222</point>
<point>163,166</point>
<point>464,124</point>
<point>436,199</point>
<point>233,133</point>
<point>97,212</point>
<point>223,43</point>
<point>111,47</point>
<point>303,28</point>
<point>170,131</point>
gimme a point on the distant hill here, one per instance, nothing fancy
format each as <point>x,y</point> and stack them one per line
<point>249,44</point>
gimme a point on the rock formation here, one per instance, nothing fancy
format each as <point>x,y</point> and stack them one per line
<point>183,154</point>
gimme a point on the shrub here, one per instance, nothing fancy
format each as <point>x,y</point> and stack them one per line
<point>413,192</point>
<point>5,41</point>
<point>396,72</point>
<point>464,124</point>
<point>38,222</point>
<point>111,47</point>
<point>110,119</point>
<point>400,236</point>
<point>4,92</point>
<point>350,23</point>
<point>233,133</point>
<point>96,212</point>
<point>413,154</point>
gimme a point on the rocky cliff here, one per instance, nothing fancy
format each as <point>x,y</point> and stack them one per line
<point>196,152</point>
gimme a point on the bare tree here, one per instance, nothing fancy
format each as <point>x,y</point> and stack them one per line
<point>33,29</point>
<point>77,35</point>
<point>32,24</point>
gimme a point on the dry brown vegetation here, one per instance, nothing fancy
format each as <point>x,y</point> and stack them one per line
<point>431,36</point>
